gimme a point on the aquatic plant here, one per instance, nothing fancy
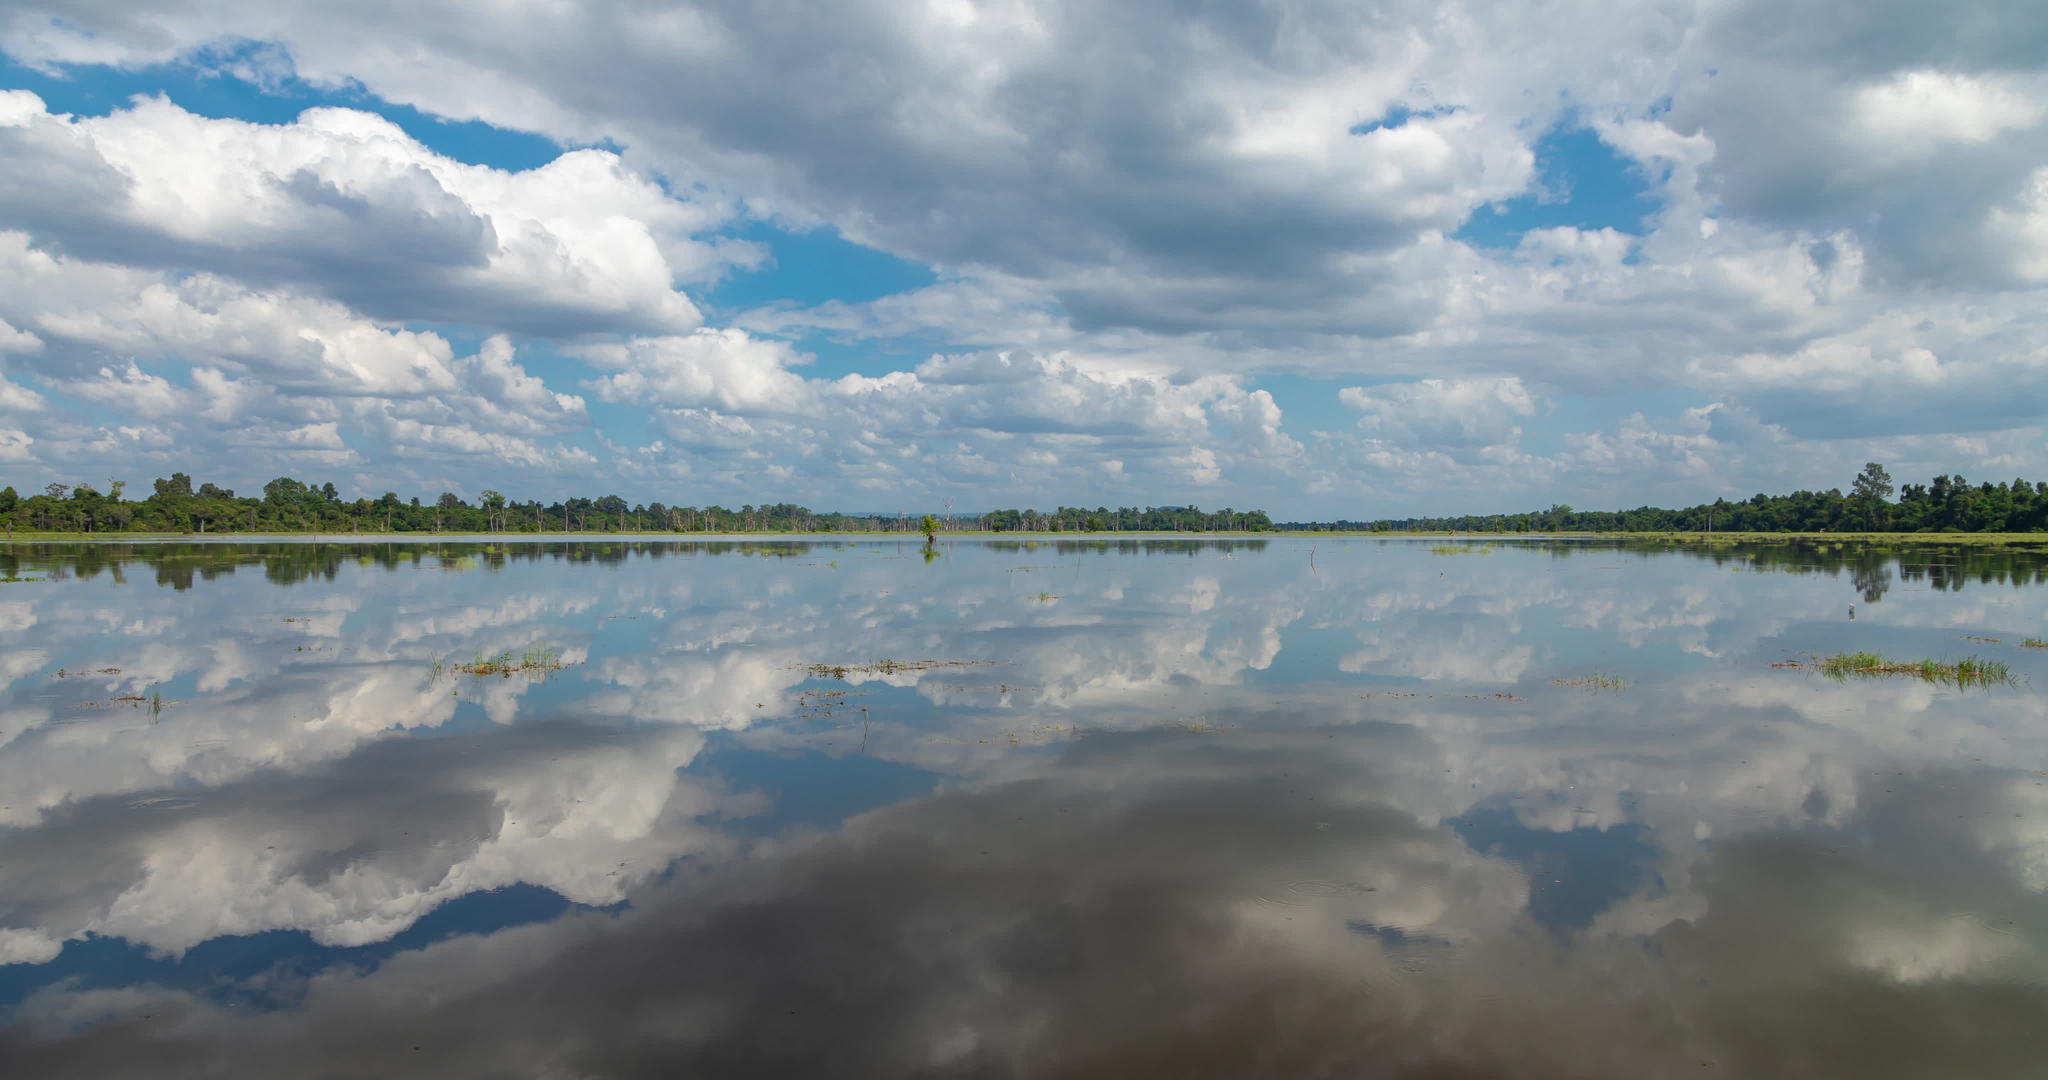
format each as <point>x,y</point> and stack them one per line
<point>885,667</point>
<point>1969,670</point>
<point>537,660</point>
<point>1595,681</point>
<point>2034,643</point>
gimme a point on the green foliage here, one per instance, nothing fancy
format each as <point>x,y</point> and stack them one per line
<point>294,506</point>
<point>537,661</point>
<point>1947,504</point>
<point>1873,487</point>
<point>1968,671</point>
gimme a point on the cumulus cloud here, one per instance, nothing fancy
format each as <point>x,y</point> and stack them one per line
<point>1027,424</point>
<point>202,363</point>
<point>1845,238</point>
<point>344,204</point>
<point>1465,414</point>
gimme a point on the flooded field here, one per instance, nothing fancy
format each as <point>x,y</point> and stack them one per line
<point>1116,808</point>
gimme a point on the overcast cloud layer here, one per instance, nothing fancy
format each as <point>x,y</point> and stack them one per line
<point>1303,256</point>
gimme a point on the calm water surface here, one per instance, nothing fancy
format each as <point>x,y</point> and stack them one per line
<point>1135,808</point>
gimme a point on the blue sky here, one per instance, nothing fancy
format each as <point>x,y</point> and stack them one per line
<point>1330,264</point>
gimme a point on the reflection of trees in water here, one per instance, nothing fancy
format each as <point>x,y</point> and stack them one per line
<point>179,565</point>
<point>1872,577</point>
<point>1935,565</point>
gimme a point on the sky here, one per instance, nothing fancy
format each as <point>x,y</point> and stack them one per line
<point>1332,260</point>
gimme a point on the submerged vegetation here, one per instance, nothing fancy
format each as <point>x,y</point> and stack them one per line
<point>1967,671</point>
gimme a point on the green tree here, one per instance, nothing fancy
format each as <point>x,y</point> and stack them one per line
<point>930,527</point>
<point>1869,493</point>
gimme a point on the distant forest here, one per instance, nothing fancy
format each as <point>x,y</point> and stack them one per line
<point>288,506</point>
<point>1948,504</point>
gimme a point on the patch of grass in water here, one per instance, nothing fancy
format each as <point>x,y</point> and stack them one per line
<point>537,660</point>
<point>1968,671</point>
<point>2034,643</point>
<point>885,667</point>
<point>1461,549</point>
<point>1595,681</point>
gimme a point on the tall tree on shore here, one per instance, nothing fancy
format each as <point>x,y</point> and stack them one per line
<point>1869,493</point>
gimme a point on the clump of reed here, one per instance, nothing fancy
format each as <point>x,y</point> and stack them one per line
<point>884,667</point>
<point>537,660</point>
<point>1595,681</point>
<point>2034,643</point>
<point>1968,671</point>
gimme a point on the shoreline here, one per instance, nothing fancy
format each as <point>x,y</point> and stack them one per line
<point>1987,539</point>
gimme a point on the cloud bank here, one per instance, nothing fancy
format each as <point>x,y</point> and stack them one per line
<point>1715,247</point>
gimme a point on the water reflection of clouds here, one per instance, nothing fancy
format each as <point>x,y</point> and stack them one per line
<point>355,851</point>
<point>1462,648</point>
<point>1155,905</point>
<point>303,797</point>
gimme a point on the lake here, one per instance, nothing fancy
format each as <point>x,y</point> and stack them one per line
<point>1141,806</point>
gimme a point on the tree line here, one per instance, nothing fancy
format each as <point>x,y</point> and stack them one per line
<point>287,506</point>
<point>1946,504</point>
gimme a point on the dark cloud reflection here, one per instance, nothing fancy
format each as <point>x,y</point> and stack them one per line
<point>1183,905</point>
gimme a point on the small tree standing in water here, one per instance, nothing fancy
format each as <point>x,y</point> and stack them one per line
<point>930,525</point>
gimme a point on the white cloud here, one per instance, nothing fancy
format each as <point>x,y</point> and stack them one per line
<point>722,369</point>
<point>1132,213</point>
<point>1459,414</point>
<point>344,204</point>
<point>1922,110</point>
<point>1025,426</point>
